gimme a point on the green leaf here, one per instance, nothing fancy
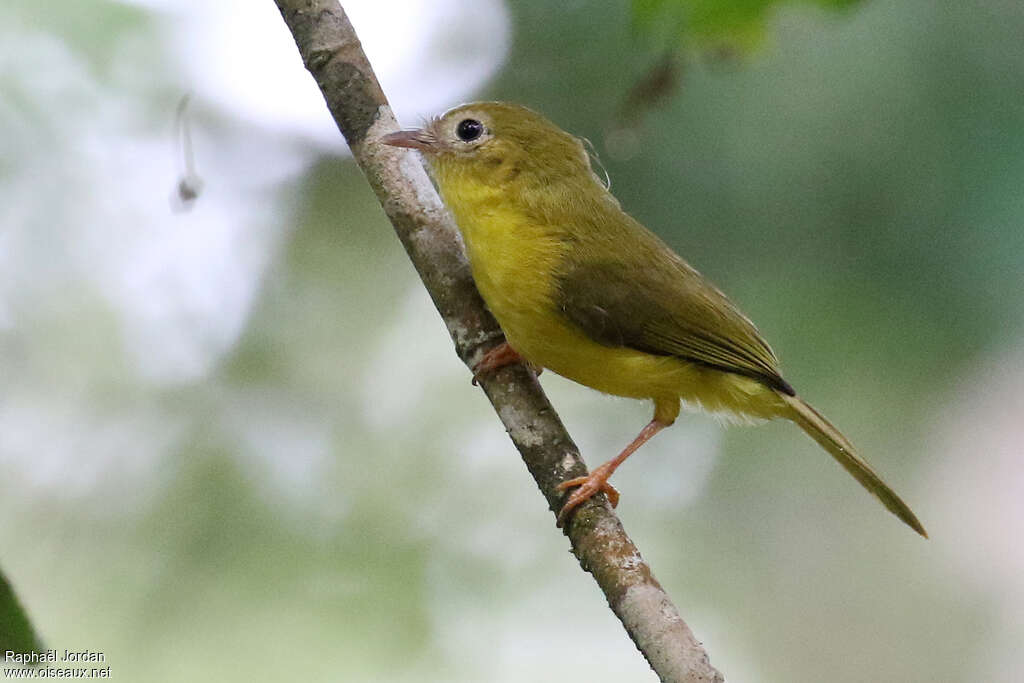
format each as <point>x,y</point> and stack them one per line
<point>713,23</point>
<point>16,632</point>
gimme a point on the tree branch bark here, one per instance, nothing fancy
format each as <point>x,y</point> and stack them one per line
<point>332,53</point>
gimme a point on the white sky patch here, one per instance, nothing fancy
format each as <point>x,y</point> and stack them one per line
<point>427,56</point>
<point>71,450</point>
<point>87,208</point>
<point>977,482</point>
<point>502,640</point>
<point>184,283</point>
<point>413,365</point>
<point>976,497</point>
<point>290,442</point>
<point>128,292</point>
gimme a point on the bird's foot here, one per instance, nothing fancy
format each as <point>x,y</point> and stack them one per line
<point>498,357</point>
<point>595,482</point>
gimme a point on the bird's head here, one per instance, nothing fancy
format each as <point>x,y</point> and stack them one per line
<point>496,143</point>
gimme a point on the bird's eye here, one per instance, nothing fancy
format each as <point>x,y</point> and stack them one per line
<point>469,130</point>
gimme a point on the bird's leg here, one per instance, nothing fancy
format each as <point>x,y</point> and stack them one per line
<point>597,481</point>
<point>498,357</point>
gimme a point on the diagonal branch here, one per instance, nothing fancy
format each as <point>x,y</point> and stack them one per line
<point>331,51</point>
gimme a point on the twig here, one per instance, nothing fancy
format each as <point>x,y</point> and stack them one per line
<point>189,183</point>
<point>331,51</point>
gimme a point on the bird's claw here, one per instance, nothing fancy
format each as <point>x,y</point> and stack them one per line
<point>497,358</point>
<point>595,482</point>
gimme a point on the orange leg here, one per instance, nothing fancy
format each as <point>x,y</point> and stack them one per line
<point>597,481</point>
<point>498,357</point>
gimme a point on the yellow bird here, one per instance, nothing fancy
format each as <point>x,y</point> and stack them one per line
<point>581,288</point>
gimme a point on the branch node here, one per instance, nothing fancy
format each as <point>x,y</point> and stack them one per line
<point>322,55</point>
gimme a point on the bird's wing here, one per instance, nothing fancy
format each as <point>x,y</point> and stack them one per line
<point>652,301</point>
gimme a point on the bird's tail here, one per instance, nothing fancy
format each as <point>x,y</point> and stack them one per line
<point>832,440</point>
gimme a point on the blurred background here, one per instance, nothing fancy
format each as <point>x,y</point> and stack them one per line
<point>236,444</point>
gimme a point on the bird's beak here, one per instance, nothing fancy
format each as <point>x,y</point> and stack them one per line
<point>412,139</point>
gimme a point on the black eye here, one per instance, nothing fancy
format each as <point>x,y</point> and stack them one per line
<point>469,130</point>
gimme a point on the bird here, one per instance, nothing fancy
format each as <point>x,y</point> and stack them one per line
<point>581,288</point>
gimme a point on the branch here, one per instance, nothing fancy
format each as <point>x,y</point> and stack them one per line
<point>332,53</point>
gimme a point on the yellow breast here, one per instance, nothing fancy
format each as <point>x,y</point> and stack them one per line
<point>513,259</point>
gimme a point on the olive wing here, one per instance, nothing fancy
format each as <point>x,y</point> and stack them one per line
<point>664,307</point>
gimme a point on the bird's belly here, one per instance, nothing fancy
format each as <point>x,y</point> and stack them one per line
<point>553,343</point>
<point>548,340</point>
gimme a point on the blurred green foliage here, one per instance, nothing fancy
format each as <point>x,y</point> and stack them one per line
<point>713,23</point>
